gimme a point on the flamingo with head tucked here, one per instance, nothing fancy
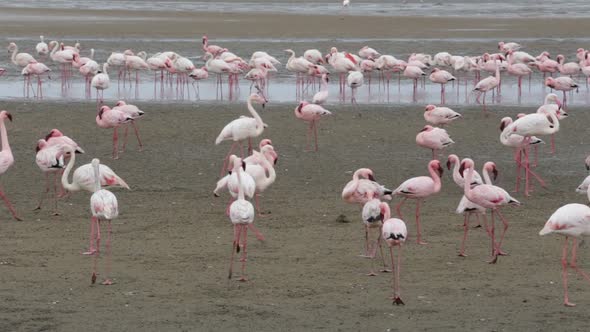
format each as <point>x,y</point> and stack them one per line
<point>363,187</point>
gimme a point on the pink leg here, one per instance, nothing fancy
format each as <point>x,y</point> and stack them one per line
<point>244,252</point>
<point>399,207</point>
<point>564,264</point>
<point>465,230</point>
<point>44,193</point>
<point>125,138</point>
<point>95,260</point>
<point>92,248</point>
<point>493,236</point>
<point>257,233</point>
<point>505,224</point>
<point>418,227</point>
<point>115,143</point>
<point>573,262</point>
<point>395,277</point>
<point>235,248</point>
<point>552,145</point>
<point>107,281</point>
<point>10,207</point>
<point>315,134</point>
<point>379,243</point>
<point>137,135</point>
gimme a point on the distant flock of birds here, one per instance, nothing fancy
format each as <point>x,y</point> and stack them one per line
<point>252,173</point>
<point>171,68</point>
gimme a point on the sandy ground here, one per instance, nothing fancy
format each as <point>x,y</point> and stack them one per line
<point>172,241</point>
<point>61,23</point>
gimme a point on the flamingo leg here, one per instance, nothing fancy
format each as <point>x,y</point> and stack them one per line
<point>418,226</point>
<point>92,249</point>
<point>398,208</point>
<point>235,248</point>
<point>137,135</point>
<point>493,236</point>
<point>44,193</point>
<point>573,263</point>
<point>9,206</point>
<point>564,264</point>
<point>465,230</point>
<point>315,134</point>
<point>125,138</point>
<point>380,244</point>
<point>395,276</point>
<point>95,260</point>
<point>226,159</point>
<point>244,252</point>
<point>115,143</point>
<point>505,228</point>
<point>107,280</point>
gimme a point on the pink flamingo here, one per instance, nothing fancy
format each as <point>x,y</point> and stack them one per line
<point>314,56</point>
<point>2,71</point>
<point>6,159</point>
<point>552,105</point>
<point>112,118</point>
<point>570,220</point>
<point>42,48</point>
<point>117,60</point>
<point>161,64</point>
<point>311,113</point>
<point>363,182</point>
<point>219,67</point>
<point>213,49</point>
<point>440,115</point>
<point>562,83</point>
<point>19,59</point>
<point>569,68</point>
<point>37,69</point>
<point>49,161</point>
<point>65,59</point>
<point>342,63</point>
<point>241,214</point>
<point>490,197</point>
<point>322,96</point>
<point>199,74</point>
<point>300,66</point>
<point>137,63</point>
<point>101,82</point>
<point>517,69</point>
<point>88,70</point>
<point>367,52</point>
<point>487,84</point>
<point>373,217</point>
<point>104,207</point>
<point>395,233</point>
<point>546,65</point>
<point>354,80</point>
<point>506,47</point>
<point>243,128</point>
<point>419,188</point>
<point>433,138</point>
<point>415,73</point>
<point>134,113</point>
<point>441,77</point>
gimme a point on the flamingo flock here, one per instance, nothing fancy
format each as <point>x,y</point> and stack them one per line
<point>355,70</point>
<point>246,175</point>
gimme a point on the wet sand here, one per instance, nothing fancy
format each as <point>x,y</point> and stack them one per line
<point>165,24</point>
<point>172,241</point>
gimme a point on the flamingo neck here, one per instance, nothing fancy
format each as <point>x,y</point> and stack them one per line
<point>96,177</point>
<point>486,176</point>
<point>4,136</point>
<point>240,188</point>
<point>104,68</point>
<point>64,177</point>
<point>497,70</point>
<point>54,50</point>
<point>13,57</point>
<point>467,184</point>
<point>92,53</point>
<point>386,211</point>
<point>260,124</point>
<point>436,179</point>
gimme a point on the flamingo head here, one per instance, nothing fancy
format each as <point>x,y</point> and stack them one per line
<point>550,82</point>
<point>430,107</point>
<point>2,71</point>
<point>40,145</point>
<point>264,142</point>
<point>121,103</point>
<point>365,173</point>
<point>53,133</point>
<point>427,128</point>
<point>451,160</point>
<point>102,110</point>
<point>434,70</point>
<point>385,210</point>
<point>560,58</point>
<point>504,123</point>
<point>467,163</point>
<point>501,45</point>
<point>128,52</point>
<point>259,97</point>
<point>235,163</point>
<point>205,39</point>
<point>436,166</point>
<point>490,166</point>
<point>5,115</point>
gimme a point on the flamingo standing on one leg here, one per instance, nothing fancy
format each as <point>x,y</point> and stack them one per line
<point>490,197</point>
<point>419,188</point>
<point>571,220</point>
<point>241,214</point>
<point>311,113</point>
<point>395,233</point>
<point>243,128</point>
<point>562,83</point>
<point>50,162</point>
<point>199,74</point>
<point>6,159</point>
<point>104,207</point>
<point>441,77</point>
<point>112,118</point>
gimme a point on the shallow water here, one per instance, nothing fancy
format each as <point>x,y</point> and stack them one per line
<point>505,8</point>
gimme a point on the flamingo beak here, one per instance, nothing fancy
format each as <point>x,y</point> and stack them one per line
<point>371,177</point>
<point>495,173</point>
<point>440,170</point>
<point>449,165</point>
<point>9,116</point>
<point>462,169</point>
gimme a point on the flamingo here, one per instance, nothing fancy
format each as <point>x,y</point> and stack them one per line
<point>37,69</point>
<point>117,60</point>
<point>112,118</point>
<point>546,65</point>
<point>50,161</point>
<point>42,48</point>
<point>322,96</point>
<point>300,66</point>
<point>415,73</point>
<point>216,66</point>
<point>367,52</point>
<point>510,46</point>
<point>363,182</point>
<point>137,63</point>
<point>78,61</point>
<point>395,233</point>
<point>6,159</point>
<point>487,84</point>
<point>199,74</point>
<point>88,70</point>
<point>490,197</point>
<point>419,188</point>
<point>562,83</point>
<point>433,138</point>
<point>569,69</point>
<point>517,69</point>
<point>134,113</point>
<point>440,115</point>
<point>341,64</point>
<point>104,207</point>
<point>159,63</point>
<point>101,82</point>
<point>311,113</point>
<point>553,105</point>
<point>354,80</point>
<point>243,128</point>
<point>441,77</point>
<point>314,56</point>
<point>19,59</point>
<point>213,49</point>
<point>241,214</point>
<point>64,58</point>
<point>372,215</point>
<point>570,220</point>
<point>345,3</point>
<point>442,59</point>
